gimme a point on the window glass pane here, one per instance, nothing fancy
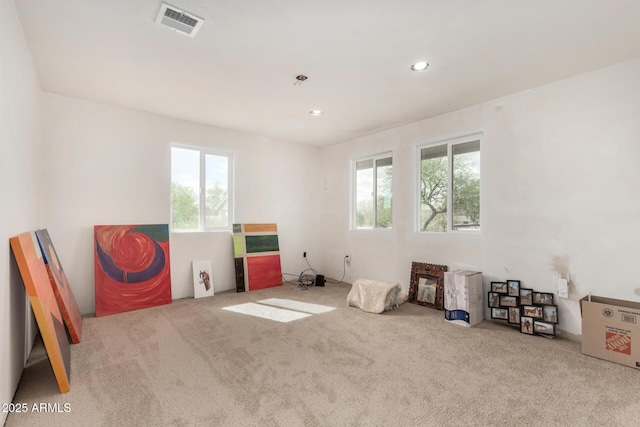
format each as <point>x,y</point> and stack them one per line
<point>466,186</point>
<point>185,189</point>
<point>364,194</point>
<point>384,180</point>
<point>433,189</point>
<point>216,191</point>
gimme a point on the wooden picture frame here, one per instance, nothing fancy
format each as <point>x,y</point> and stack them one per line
<point>513,288</point>
<point>526,325</point>
<point>526,296</point>
<point>514,315</point>
<point>426,286</point>
<point>499,287</point>
<point>499,313</point>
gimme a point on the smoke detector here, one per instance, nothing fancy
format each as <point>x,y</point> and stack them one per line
<point>179,20</point>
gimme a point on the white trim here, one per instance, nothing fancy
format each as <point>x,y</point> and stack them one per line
<point>353,191</point>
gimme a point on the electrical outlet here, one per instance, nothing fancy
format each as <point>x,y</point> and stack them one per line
<point>347,258</point>
<point>304,254</point>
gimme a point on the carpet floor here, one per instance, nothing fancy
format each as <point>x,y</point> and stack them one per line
<point>192,363</point>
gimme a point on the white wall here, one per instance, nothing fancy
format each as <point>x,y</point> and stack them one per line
<point>561,182</point>
<point>110,165</point>
<point>20,144</point>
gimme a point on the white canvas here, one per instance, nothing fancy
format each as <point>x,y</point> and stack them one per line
<point>202,279</point>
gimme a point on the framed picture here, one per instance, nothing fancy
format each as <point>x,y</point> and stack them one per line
<point>532,311</point>
<point>542,298</point>
<point>499,287</point>
<point>514,315</point>
<point>544,328</point>
<point>546,298</point>
<point>526,296</point>
<point>550,313</point>
<point>526,325</point>
<point>499,313</point>
<point>508,301</point>
<point>494,300</point>
<point>513,288</point>
<point>426,286</point>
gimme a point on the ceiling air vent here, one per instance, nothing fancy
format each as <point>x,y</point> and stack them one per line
<point>179,20</point>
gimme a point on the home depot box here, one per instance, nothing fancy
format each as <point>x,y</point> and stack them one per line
<point>611,329</point>
<point>463,297</point>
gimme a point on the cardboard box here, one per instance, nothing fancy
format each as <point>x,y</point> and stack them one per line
<point>463,296</point>
<point>611,329</point>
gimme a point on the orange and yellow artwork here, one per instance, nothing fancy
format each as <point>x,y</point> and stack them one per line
<point>34,274</point>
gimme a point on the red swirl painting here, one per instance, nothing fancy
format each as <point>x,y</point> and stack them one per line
<point>131,267</point>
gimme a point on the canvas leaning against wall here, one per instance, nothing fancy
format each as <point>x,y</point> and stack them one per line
<point>257,256</point>
<point>61,289</point>
<point>132,267</point>
<point>34,274</point>
<point>202,279</point>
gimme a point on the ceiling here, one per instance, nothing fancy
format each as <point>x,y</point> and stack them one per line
<point>240,69</point>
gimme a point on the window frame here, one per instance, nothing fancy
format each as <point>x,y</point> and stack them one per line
<point>354,190</point>
<point>202,224</point>
<point>450,143</point>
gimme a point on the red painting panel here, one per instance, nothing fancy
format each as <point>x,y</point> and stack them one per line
<point>264,271</point>
<point>131,267</point>
<point>61,289</point>
<point>45,308</point>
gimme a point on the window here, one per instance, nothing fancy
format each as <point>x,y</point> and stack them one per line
<point>373,178</point>
<point>450,176</point>
<point>201,189</point>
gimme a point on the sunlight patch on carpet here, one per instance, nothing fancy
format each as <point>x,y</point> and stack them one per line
<point>267,312</point>
<point>297,305</point>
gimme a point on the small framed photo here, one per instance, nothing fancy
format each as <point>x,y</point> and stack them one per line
<point>526,325</point>
<point>546,298</point>
<point>499,287</point>
<point>526,296</point>
<point>508,301</point>
<point>499,313</point>
<point>532,311</point>
<point>550,313</point>
<point>513,288</point>
<point>542,298</point>
<point>494,299</point>
<point>514,315</point>
<point>544,328</point>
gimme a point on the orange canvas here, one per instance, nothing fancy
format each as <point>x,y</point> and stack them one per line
<point>61,289</point>
<point>34,274</point>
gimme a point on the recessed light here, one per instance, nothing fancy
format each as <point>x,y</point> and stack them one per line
<point>420,66</point>
<point>316,113</point>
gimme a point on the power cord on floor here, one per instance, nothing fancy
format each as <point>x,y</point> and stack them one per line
<point>308,277</point>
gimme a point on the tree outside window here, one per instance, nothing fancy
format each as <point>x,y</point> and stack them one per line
<point>450,176</point>
<point>200,189</point>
